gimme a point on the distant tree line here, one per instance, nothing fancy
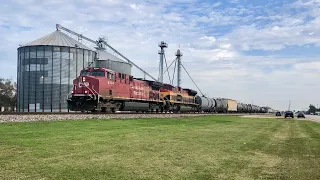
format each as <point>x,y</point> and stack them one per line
<point>312,109</point>
<point>8,93</point>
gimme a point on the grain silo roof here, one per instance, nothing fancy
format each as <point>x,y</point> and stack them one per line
<point>104,55</point>
<point>57,38</point>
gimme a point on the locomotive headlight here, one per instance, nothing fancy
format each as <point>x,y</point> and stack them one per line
<point>85,92</point>
<point>83,79</point>
<point>86,84</point>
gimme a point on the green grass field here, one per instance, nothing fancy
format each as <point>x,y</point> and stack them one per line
<point>215,147</point>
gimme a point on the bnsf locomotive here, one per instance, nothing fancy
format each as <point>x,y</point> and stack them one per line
<point>101,89</point>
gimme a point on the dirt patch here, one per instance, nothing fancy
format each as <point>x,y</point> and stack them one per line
<point>261,116</point>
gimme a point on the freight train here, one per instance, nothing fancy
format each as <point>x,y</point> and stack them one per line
<point>101,89</point>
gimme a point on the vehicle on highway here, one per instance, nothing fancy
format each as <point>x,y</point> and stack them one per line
<point>288,114</point>
<point>300,115</point>
<point>278,113</point>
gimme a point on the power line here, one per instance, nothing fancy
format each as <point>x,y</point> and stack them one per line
<point>191,79</point>
<point>165,59</point>
<point>170,65</point>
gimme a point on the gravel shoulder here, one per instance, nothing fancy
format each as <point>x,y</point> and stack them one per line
<point>56,117</point>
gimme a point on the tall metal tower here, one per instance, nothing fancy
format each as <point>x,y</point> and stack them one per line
<point>179,54</point>
<point>162,45</point>
<point>289,105</point>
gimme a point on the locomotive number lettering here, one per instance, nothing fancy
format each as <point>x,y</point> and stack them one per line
<point>110,82</point>
<point>137,88</point>
<point>137,93</point>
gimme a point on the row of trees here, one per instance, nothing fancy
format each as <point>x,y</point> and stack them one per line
<point>8,93</point>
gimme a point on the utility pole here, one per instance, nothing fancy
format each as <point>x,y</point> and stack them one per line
<point>162,45</point>
<point>289,105</point>
<point>179,54</point>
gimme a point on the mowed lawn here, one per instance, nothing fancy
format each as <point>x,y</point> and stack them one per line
<point>214,147</point>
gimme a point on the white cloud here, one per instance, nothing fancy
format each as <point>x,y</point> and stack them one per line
<point>211,39</point>
<point>311,66</point>
<point>173,17</point>
<point>307,3</point>
<point>135,6</point>
<point>217,4</point>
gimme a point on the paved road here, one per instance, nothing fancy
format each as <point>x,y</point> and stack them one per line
<point>313,118</point>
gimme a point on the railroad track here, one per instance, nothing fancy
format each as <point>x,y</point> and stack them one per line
<point>116,113</point>
<point>83,113</point>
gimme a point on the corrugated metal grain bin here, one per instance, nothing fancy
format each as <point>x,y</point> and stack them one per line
<point>46,69</point>
<point>109,61</point>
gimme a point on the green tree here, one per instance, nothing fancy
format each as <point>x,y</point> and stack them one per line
<point>312,109</point>
<point>8,93</point>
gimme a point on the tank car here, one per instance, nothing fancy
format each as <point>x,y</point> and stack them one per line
<point>240,107</point>
<point>205,104</point>
<point>221,106</point>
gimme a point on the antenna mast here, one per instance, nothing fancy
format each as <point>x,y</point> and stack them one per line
<point>178,59</point>
<point>289,105</point>
<point>179,54</point>
<point>162,45</point>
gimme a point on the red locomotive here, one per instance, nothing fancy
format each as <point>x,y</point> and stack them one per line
<point>103,89</point>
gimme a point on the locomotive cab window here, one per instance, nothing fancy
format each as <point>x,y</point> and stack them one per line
<point>98,73</point>
<point>110,75</point>
<point>93,73</point>
<point>84,73</point>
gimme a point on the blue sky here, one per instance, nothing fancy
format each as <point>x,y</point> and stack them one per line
<point>261,51</point>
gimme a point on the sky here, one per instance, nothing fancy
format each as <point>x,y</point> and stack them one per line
<point>265,52</point>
